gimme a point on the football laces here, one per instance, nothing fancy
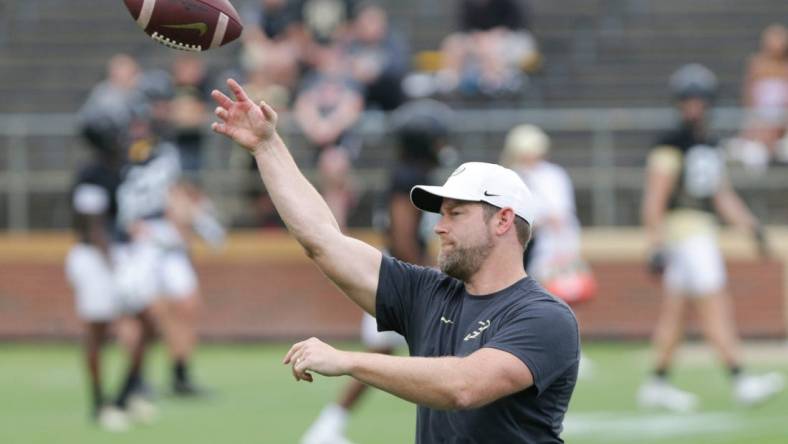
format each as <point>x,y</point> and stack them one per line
<point>168,42</point>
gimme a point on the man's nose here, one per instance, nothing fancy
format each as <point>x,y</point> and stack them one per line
<point>440,227</point>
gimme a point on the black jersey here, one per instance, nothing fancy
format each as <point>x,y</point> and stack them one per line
<point>698,164</point>
<point>93,194</point>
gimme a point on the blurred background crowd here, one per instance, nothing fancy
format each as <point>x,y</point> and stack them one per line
<point>594,75</point>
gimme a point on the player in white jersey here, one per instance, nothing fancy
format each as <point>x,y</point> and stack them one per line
<point>553,256</point>
<point>157,211</point>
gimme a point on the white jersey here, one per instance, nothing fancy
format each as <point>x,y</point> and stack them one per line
<point>143,192</point>
<point>555,223</point>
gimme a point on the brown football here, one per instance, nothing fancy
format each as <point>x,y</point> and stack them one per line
<point>189,25</point>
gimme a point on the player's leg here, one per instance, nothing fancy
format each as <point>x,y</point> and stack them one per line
<point>669,331</point>
<point>657,391</point>
<point>183,303</point>
<point>715,310</point>
<point>90,276</point>
<point>95,335</point>
<point>131,396</point>
<point>329,427</point>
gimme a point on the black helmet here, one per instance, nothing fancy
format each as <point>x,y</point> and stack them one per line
<point>418,125</point>
<point>693,81</point>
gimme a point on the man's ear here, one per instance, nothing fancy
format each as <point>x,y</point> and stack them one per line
<point>505,219</point>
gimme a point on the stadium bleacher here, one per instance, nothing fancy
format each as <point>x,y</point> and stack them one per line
<point>601,54</point>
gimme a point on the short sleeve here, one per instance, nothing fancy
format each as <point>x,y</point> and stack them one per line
<point>665,159</point>
<point>401,286</point>
<point>545,338</point>
<point>90,199</point>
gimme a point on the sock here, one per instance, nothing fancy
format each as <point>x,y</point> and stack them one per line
<point>129,386</point>
<point>98,398</point>
<point>180,372</point>
<point>661,374</point>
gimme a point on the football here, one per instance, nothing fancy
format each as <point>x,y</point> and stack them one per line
<point>188,25</point>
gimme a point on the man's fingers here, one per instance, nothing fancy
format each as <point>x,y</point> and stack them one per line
<point>221,113</point>
<point>221,99</point>
<point>220,128</point>
<point>290,355</point>
<point>268,112</point>
<point>238,92</point>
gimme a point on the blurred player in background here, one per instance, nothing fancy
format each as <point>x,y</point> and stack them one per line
<point>160,213</point>
<point>422,129</point>
<point>553,255</point>
<point>686,183</point>
<point>92,264</point>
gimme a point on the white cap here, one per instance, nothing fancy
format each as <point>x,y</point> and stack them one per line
<point>478,182</point>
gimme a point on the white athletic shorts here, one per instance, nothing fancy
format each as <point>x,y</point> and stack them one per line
<point>374,339</point>
<point>92,279</point>
<point>148,272</point>
<point>695,266</point>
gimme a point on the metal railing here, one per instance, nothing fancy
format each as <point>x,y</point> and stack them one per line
<point>600,177</point>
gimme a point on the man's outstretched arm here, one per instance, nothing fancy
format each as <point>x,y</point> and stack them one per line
<point>447,383</point>
<point>351,264</point>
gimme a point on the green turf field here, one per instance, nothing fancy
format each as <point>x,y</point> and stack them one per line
<point>43,400</point>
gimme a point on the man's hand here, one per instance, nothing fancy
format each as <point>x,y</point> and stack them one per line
<point>317,356</point>
<point>248,124</point>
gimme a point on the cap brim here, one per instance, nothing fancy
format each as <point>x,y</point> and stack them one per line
<point>429,198</point>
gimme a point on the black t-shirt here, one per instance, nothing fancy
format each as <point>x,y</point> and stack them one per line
<point>438,317</point>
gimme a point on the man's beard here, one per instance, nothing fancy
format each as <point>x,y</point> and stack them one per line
<point>463,262</point>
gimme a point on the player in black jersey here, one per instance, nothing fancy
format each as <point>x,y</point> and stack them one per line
<point>91,266</point>
<point>686,184</point>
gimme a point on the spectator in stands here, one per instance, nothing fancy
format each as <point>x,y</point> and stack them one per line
<point>115,97</point>
<point>191,86</point>
<point>765,96</point>
<point>378,57</point>
<point>686,182</point>
<point>274,34</point>
<point>327,20</point>
<point>491,50</point>
<point>553,256</point>
<point>326,108</point>
<point>421,128</point>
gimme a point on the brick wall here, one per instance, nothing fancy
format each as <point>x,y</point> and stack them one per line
<point>262,286</point>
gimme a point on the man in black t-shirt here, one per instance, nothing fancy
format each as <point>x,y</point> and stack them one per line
<point>494,357</point>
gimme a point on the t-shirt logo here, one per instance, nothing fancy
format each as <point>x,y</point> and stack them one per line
<point>484,325</point>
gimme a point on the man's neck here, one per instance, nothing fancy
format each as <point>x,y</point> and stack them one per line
<point>499,271</point>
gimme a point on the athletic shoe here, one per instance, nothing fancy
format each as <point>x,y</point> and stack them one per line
<point>658,393</point>
<point>141,410</point>
<point>750,390</point>
<point>190,390</point>
<point>328,428</point>
<point>113,419</point>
